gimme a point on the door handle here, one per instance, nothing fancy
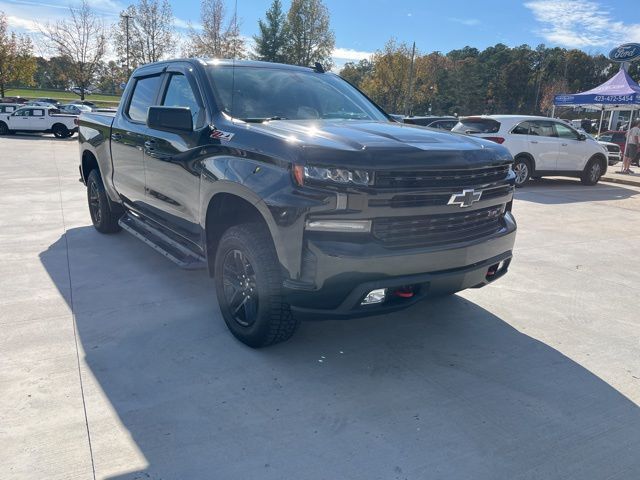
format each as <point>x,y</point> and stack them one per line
<point>116,137</point>
<point>150,144</point>
<point>534,141</point>
<point>564,144</point>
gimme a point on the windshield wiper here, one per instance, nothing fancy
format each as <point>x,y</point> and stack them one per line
<point>261,120</point>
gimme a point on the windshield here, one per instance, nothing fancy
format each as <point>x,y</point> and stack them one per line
<point>261,93</point>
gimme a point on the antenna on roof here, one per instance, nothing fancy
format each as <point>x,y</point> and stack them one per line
<point>318,67</point>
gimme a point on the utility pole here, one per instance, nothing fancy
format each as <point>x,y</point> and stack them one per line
<point>409,98</point>
<point>126,18</point>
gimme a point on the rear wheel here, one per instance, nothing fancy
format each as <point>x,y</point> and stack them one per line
<point>522,169</point>
<point>4,129</point>
<point>103,216</point>
<point>249,287</point>
<point>60,131</point>
<point>592,172</point>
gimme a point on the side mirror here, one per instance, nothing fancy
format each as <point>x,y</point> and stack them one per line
<point>171,119</point>
<point>582,137</point>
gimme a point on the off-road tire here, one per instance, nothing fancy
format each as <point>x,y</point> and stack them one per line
<point>60,131</point>
<point>592,172</point>
<point>522,168</point>
<point>103,215</point>
<point>273,321</point>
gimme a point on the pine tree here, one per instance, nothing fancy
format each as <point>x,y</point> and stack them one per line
<point>271,43</point>
<point>310,36</point>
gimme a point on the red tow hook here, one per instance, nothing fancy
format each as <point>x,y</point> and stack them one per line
<point>404,292</point>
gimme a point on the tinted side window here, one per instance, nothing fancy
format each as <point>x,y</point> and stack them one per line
<point>144,95</point>
<point>521,129</point>
<point>477,125</point>
<point>180,94</point>
<point>565,132</point>
<point>618,137</point>
<point>543,129</point>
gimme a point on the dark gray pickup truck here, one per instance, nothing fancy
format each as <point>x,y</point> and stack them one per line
<point>298,193</point>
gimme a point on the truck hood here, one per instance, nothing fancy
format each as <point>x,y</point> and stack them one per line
<point>381,144</point>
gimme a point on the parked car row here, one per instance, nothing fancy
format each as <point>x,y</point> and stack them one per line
<point>46,119</point>
<point>541,146</point>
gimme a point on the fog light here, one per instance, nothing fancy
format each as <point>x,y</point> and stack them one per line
<point>355,226</point>
<point>375,296</point>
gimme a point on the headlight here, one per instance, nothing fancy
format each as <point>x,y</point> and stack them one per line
<point>340,176</point>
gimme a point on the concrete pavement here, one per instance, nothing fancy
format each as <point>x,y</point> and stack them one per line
<point>115,364</point>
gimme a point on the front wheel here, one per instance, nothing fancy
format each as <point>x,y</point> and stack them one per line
<point>522,169</point>
<point>249,287</point>
<point>60,131</point>
<point>103,216</point>
<point>592,172</point>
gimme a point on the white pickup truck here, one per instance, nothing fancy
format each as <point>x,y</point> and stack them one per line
<point>38,119</point>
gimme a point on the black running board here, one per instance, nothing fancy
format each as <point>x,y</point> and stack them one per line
<point>162,243</point>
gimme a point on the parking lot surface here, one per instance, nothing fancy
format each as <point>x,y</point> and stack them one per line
<point>115,363</point>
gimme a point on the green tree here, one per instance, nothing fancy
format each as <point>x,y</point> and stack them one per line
<point>53,73</point>
<point>271,42</point>
<point>310,36</point>
<point>17,64</point>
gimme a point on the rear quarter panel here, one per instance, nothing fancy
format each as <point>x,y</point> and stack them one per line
<point>94,137</point>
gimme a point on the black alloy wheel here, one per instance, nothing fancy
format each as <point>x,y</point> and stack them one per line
<point>240,288</point>
<point>104,215</point>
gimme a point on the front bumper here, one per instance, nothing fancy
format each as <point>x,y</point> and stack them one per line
<point>339,275</point>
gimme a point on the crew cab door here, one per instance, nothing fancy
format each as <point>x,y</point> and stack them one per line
<point>544,144</point>
<point>20,119</point>
<point>128,136</point>
<point>573,153</point>
<point>39,121</point>
<point>172,158</point>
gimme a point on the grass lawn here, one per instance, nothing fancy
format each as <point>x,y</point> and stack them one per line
<point>61,96</point>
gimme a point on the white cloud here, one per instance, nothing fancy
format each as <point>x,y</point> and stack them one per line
<point>469,22</point>
<point>23,24</point>
<point>350,54</point>
<point>581,23</point>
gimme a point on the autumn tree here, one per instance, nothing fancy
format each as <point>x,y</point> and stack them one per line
<point>389,81</point>
<point>17,64</point>
<point>218,37</point>
<point>82,40</point>
<point>271,42</point>
<point>310,36</point>
<point>356,73</point>
<point>148,26</point>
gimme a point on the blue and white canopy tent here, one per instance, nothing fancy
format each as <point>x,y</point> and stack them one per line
<point>620,92</point>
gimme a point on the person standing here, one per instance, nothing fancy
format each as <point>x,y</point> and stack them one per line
<point>633,139</point>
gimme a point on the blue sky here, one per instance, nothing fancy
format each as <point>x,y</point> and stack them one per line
<point>362,27</point>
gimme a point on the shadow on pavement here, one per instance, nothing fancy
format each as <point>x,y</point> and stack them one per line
<point>554,191</point>
<point>38,136</point>
<point>444,390</point>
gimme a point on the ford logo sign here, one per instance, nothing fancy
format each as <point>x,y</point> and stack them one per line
<point>625,53</point>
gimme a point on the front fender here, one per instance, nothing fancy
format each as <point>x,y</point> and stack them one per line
<point>269,188</point>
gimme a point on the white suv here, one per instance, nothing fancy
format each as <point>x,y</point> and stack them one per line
<point>541,146</point>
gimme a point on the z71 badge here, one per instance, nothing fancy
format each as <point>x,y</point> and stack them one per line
<point>220,135</point>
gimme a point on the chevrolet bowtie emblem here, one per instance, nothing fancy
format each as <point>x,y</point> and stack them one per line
<point>465,199</point>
